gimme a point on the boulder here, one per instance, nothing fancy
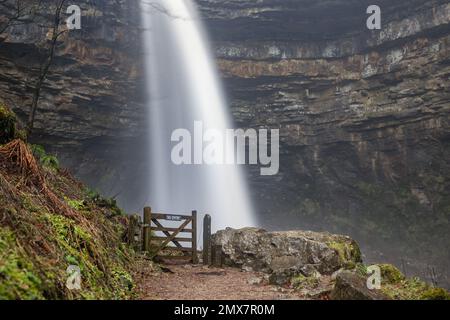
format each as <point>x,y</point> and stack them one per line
<point>352,286</point>
<point>286,254</point>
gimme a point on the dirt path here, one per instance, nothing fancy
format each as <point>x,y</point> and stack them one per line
<point>197,282</point>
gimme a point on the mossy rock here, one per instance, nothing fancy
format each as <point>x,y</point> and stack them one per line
<point>390,274</point>
<point>7,124</point>
<point>348,252</point>
<point>350,285</point>
<point>414,289</point>
<point>303,282</point>
<point>435,294</point>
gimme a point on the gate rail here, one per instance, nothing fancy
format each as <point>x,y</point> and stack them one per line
<point>188,225</point>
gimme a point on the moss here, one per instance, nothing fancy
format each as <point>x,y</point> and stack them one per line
<point>413,289</point>
<point>19,279</point>
<point>303,282</point>
<point>348,252</point>
<point>50,162</point>
<point>101,277</point>
<point>29,204</point>
<point>361,269</point>
<point>397,287</point>
<point>76,204</point>
<point>7,124</point>
<point>435,294</point>
<point>44,242</point>
<point>77,245</point>
<point>124,281</point>
<point>390,274</point>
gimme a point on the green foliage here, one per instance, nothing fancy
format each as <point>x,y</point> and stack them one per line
<point>46,160</point>
<point>29,204</point>
<point>400,288</point>
<point>390,274</point>
<point>348,251</point>
<point>92,195</point>
<point>76,204</point>
<point>101,277</point>
<point>38,242</point>
<point>361,269</point>
<point>38,150</point>
<point>303,282</point>
<point>50,161</point>
<point>435,294</point>
<point>397,287</point>
<point>7,124</point>
<point>17,273</point>
<point>410,289</point>
<point>108,203</point>
<point>123,278</point>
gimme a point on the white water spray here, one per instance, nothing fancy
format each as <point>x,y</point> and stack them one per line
<point>184,88</point>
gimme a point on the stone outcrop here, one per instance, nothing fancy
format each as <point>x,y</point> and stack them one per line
<point>285,255</point>
<point>351,286</point>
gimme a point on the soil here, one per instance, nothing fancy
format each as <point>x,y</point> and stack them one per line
<point>198,282</point>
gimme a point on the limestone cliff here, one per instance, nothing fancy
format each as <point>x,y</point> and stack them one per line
<point>363,117</point>
<point>91,109</point>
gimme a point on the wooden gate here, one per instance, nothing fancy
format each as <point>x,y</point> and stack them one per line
<point>155,244</point>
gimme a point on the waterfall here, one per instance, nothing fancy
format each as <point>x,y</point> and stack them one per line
<point>184,87</point>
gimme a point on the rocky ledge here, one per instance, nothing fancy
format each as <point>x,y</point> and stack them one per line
<point>286,254</point>
<point>320,265</point>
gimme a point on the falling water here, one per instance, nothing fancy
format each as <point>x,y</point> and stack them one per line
<point>183,88</point>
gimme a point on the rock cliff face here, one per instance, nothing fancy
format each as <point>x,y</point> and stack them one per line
<point>363,117</point>
<point>91,109</point>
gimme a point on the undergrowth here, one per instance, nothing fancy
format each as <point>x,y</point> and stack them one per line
<point>48,222</point>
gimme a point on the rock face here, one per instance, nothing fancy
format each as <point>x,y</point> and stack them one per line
<point>363,117</point>
<point>351,286</point>
<point>286,254</point>
<point>91,111</point>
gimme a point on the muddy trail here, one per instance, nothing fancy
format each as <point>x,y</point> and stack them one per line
<point>198,282</point>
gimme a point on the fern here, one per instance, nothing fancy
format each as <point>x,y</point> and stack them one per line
<point>46,160</point>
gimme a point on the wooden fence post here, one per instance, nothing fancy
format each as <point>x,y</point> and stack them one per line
<point>132,226</point>
<point>194,237</point>
<point>147,232</point>
<point>207,240</point>
<point>216,256</point>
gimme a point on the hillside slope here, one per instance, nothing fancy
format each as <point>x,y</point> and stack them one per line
<point>48,222</point>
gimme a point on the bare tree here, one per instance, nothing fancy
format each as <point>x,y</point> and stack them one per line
<point>57,31</point>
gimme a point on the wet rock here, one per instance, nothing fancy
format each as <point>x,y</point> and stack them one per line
<point>352,286</point>
<point>284,255</point>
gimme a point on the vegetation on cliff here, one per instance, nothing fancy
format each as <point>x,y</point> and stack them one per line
<point>395,285</point>
<point>48,222</point>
